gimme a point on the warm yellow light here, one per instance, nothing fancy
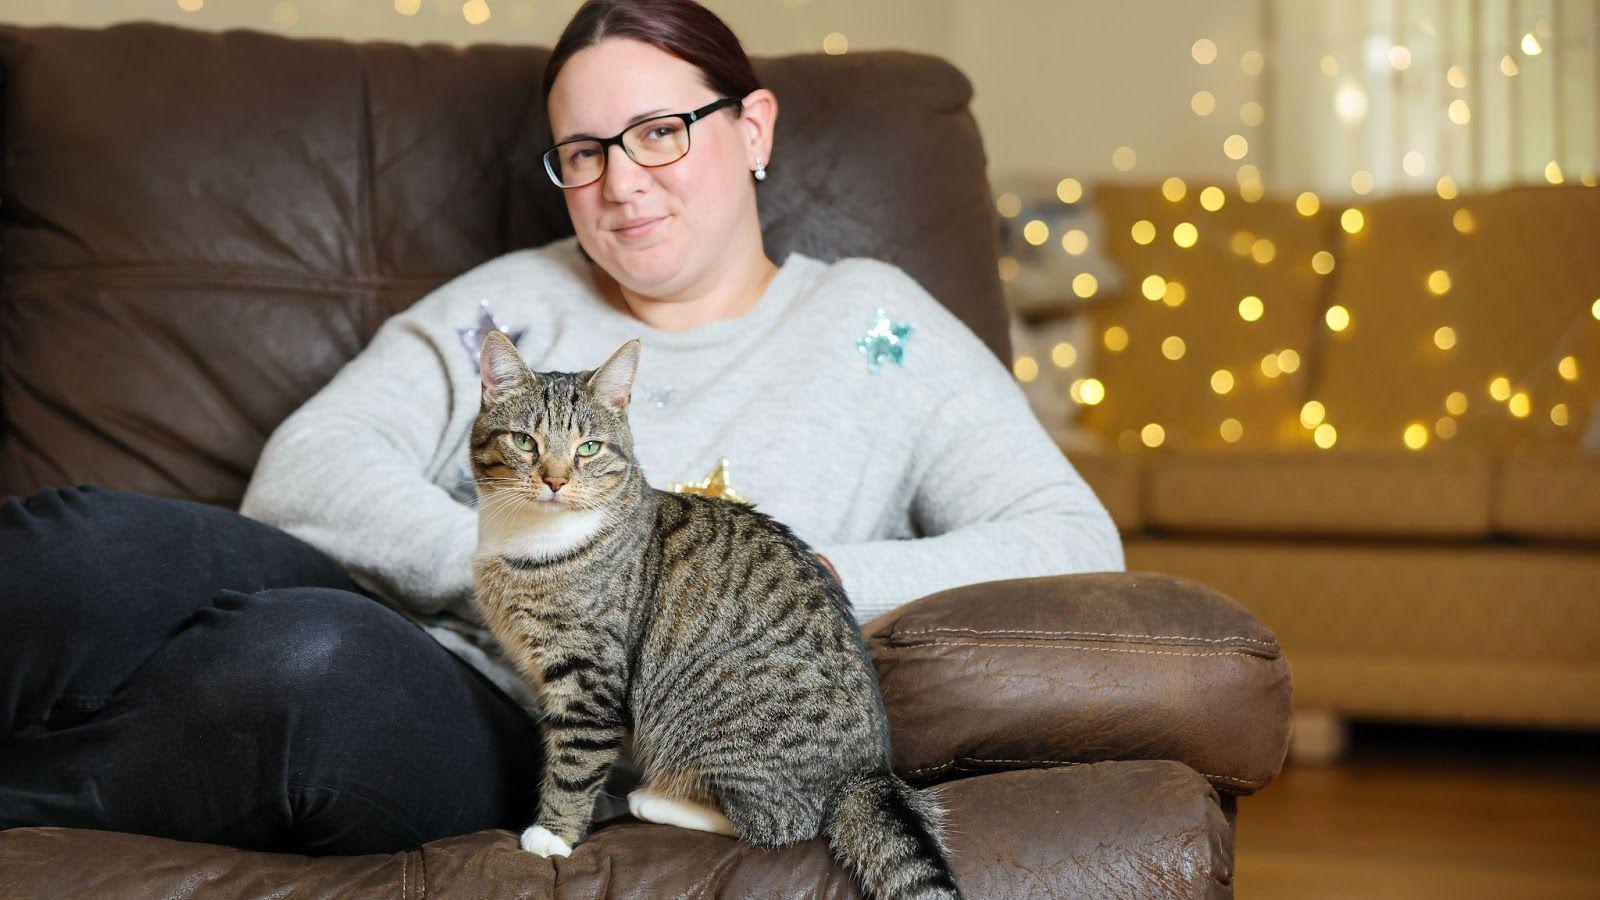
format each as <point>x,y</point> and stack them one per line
<point>285,13</point>
<point>835,44</point>
<point>1241,242</point>
<point>1500,388</point>
<point>1552,172</point>
<point>1415,436</point>
<point>1337,317</point>
<point>1288,360</point>
<point>1460,112</point>
<point>1322,262</point>
<point>1456,403</point>
<point>1307,204</point>
<point>1152,435</point>
<point>1250,308</point>
<point>1325,436</point>
<point>1312,414</point>
<point>1399,58</point>
<point>1351,220</point>
<point>1088,391</point>
<point>1025,368</point>
<point>1008,205</point>
<point>407,7</point>
<point>1153,287</point>
<point>1530,44</point>
<point>1085,285</point>
<point>1439,282</point>
<point>1069,190</point>
<point>1143,232</point>
<point>1185,234</point>
<point>1444,337</point>
<point>1203,51</point>
<point>476,12</point>
<point>1508,66</point>
<point>1009,268</point>
<point>1414,163</point>
<point>1269,366</point>
<point>1361,182</point>
<point>1075,241</point>
<point>1262,251</point>
<point>1464,222</point>
<point>1445,428</point>
<point>1036,232</point>
<point>1116,339</point>
<point>1594,310</point>
<point>1124,158</point>
<point>1063,355</point>
<point>1231,430</point>
<point>1456,76</point>
<point>1203,103</point>
<point>1173,347</point>
<point>1567,368</point>
<point>191,5</point>
<point>1252,113</point>
<point>1446,188</point>
<point>1252,62</point>
<point>1212,198</point>
<point>1221,381</point>
<point>1250,191</point>
<point>1520,404</point>
<point>1235,146</point>
<point>1558,414</point>
<point>1329,66</point>
<point>1175,294</point>
<point>1173,189</point>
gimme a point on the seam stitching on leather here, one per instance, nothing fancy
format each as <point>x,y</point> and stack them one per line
<point>405,863</point>
<point>1103,634</point>
<point>1242,782</point>
<point>1242,653</point>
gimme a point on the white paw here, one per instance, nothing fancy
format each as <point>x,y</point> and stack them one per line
<point>538,839</point>
<point>652,807</point>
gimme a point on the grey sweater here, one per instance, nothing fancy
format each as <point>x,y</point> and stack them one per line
<point>910,476</point>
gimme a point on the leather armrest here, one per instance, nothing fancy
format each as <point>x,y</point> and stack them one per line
<point>1067,669</point>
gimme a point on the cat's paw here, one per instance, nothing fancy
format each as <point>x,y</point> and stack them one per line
<point>539,839</point>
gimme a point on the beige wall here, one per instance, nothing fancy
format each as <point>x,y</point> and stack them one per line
<point>1059,84</point>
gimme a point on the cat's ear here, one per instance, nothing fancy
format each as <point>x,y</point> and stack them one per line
<point>612,383</point>
<point>500,367</point>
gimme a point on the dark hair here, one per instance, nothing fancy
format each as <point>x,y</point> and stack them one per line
<point>682,28</point>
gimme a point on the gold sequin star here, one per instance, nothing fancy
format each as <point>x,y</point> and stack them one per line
<point>715,484</point>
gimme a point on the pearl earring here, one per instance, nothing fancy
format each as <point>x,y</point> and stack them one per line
<point>761,170</point>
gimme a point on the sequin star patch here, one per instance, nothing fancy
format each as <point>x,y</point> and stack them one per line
<point>884,342</point>
<point>472,338</point>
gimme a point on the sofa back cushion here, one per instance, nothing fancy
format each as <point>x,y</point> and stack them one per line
<point>201,228</point>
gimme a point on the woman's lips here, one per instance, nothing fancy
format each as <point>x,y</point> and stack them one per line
<point>640,230</point>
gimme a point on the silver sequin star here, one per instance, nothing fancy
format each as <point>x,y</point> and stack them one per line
<point>660,395</point>
<point>472,338</point>
<point>884,342</point>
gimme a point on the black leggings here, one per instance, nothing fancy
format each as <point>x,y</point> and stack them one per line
<point>196,674</point>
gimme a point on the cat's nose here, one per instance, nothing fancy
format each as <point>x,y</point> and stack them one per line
<point>554,482</point>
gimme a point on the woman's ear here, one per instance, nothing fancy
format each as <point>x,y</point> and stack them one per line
<point>758,116</point>
<point>612,383</point>
<point>500,367</point>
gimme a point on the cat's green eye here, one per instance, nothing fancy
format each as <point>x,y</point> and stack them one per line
<point>588,448</point>
<point>523,441</point>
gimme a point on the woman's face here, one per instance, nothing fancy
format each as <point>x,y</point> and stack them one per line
<point>704,200</point>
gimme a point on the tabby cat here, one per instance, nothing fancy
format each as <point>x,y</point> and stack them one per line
<point>705,628</point>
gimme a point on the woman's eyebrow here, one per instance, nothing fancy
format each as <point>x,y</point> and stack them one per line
<point>633,121</point>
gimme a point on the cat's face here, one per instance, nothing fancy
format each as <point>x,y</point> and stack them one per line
<point>551,441</point>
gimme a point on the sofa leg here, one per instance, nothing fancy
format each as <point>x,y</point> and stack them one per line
<point>1318,737</point>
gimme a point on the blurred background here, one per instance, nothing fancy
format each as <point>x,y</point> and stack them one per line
<point>1310,292</point>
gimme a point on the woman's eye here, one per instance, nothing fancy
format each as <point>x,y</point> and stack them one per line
<point>588,448</point>
<point>524,442</point>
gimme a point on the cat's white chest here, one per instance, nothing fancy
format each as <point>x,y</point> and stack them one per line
<point>531,533</point>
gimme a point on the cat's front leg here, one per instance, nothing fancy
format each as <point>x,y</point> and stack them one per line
<point>581,747</point>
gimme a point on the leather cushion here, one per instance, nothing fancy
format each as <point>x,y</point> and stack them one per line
<point>1136,829</point>
<point>1081,668</point>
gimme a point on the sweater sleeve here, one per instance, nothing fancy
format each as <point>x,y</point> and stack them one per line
<point>995,498</point>
<point>347,471</point>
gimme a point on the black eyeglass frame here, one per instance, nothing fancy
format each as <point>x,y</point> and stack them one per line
<point>688,119</point>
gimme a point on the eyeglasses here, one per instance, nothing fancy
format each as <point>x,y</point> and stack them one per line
<point>653,142</point>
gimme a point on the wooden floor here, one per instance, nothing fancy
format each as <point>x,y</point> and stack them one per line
<point>1423,813</point>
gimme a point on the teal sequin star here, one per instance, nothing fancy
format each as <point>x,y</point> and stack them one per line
<point>472,338</point>
<point>884,341</point>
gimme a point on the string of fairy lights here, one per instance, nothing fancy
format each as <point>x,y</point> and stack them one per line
<point>1349,104</point>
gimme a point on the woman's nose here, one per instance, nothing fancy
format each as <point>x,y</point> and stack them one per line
<point>622,175</point>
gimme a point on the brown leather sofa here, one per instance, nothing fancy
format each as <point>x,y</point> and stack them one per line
<point>200,229</point>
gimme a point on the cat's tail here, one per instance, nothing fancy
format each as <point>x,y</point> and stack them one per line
<point>889,834</point>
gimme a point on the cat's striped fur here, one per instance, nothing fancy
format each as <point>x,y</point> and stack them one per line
<point>704,627</point>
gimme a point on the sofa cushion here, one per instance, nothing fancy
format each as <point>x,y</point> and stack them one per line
<point>1312,492</point>
<point>1143,385</point>
<point>1080,668</point>
<point>1145,829</point>
<point>1518,299</point>
<point>1550,495</point>
<point>201,228</point>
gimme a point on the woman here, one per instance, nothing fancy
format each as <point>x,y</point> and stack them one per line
<point>261,680</point>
